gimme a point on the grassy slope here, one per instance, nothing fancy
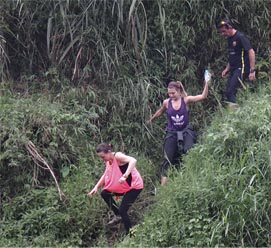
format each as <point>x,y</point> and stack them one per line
<point>65,133</point>
<point>222,195</point>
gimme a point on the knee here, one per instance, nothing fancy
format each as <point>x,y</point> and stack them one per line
<point>104,194</point>
<point>122,212</point>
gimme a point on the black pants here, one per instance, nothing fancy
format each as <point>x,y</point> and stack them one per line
<point>233,84</point>
<point>172,151</point>
<point>128,199</point>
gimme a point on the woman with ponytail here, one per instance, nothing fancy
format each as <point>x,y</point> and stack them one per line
<point>121,178</point>
<point>179,135</point>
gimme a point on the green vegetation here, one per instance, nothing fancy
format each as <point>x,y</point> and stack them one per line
<point>75,73</point>
<point>32,212</point>
<point>221,197</point>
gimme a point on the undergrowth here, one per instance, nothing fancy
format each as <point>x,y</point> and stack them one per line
<point>221,197</point>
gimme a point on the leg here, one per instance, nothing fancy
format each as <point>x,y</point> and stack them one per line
<point>128,199</point>
<point>107,196</point>
<point>164,180</point>
<point>170,152</point>
<point>189,139</point>
<point>232,86</point>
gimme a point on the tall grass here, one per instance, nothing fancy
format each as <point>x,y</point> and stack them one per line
<point>113,45</point>
<point>65,132</point>
<point>102,68</point>
<point>221,196</point>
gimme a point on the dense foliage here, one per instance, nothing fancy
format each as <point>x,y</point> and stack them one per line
<point>31,211</point>
<point>75,73</point>
<point>222,196</point>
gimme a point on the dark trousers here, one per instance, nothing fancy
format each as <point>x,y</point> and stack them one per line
<point>233,84</point>
<point>174,149</point>
<point>171,153</point>
<point>127,200</point>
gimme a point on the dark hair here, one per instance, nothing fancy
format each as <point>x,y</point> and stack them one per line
<point>104,147</point>
<point>225,22</point>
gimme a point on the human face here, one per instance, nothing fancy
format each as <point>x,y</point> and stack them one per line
<point>173,93</point>
<point>105,156</point>
<point>225,32</point>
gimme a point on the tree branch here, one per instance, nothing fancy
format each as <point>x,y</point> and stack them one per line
<point>40,161</point>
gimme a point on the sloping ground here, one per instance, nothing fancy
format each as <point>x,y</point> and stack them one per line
<point>64,133</point>
<point>222,195</point>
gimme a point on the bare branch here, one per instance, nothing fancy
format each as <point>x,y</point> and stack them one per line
<point>39,161</point>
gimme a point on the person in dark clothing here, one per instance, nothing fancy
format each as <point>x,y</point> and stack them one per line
<point>179,135</point>
<point>241,60</point>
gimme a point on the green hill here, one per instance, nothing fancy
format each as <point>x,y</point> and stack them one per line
<point>76,73</point>
<point>221,197</point>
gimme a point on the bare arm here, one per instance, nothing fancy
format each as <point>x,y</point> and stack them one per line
<point>124,159</point>
<point>159,112</point>
<point>198,98</point>
<point>251,55</point>
<point>99,183</point>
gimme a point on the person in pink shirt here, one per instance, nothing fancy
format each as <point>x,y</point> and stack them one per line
<point>121,178</point>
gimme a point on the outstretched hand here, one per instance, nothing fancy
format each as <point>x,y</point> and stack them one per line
<point>92,192</point>
<point>148,122</point>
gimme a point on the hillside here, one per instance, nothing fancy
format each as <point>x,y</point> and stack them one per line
<point>221,197</point>
<point>74,74</point>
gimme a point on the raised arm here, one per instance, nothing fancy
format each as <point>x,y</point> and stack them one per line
<point>159,112</point>
<point>200,97</point>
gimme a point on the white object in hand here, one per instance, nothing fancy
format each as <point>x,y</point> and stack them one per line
<point>207,75</point>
